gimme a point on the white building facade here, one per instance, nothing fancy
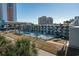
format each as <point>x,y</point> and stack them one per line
<point>74,33</point>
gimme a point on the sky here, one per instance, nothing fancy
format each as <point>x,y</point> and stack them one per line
<point>29,12</point>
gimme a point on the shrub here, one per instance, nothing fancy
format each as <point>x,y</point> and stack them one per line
<point>23,47</point>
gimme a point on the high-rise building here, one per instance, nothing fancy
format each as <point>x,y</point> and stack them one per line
<point>45,20</point>
<point>49,20</point>
<point>1,11</point>
<point>8,12</point>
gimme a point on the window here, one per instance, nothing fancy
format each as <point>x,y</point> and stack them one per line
<point>10,5</point>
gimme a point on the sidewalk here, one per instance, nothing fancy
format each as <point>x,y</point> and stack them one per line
<point>44,53</point>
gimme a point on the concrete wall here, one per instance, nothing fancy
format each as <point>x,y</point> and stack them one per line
<point>74,36</point>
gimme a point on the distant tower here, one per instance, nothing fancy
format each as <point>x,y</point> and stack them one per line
<point>11,12</point>
<point>45,20</point>
<point>50,20</point>
<point>1,17</point>
<point>8,12</point>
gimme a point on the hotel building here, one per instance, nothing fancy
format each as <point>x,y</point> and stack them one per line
<point>45,20</point>
<point>8,12</point>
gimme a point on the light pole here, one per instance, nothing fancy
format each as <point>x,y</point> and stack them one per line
<point>66,47</point>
